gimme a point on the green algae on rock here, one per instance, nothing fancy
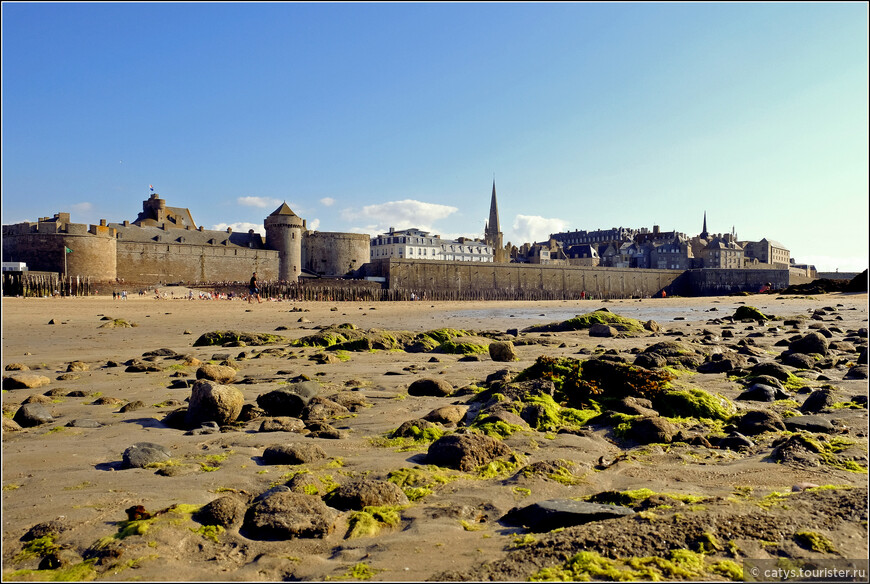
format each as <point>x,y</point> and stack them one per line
<point>750,313</point>
<point>694,403</point>
<point>577,382</point>
<point>221,338</point>
<point>622,324</point>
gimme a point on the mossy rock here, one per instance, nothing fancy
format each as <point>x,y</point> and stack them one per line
<point>358,345</point>
<point>445,334</point>
<point>603,316</point>
<point>422,343</point>
<point>420,430</point>
<point>221,338</point>
<point>749,313</point>
<point>561,471</point>
<point>324,338</point>
<point>671,349</point>
<point>544,414</point>
<point>465,345</point>
<point>694,403</point>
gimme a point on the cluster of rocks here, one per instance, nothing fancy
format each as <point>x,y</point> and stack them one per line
<point>824,352</point>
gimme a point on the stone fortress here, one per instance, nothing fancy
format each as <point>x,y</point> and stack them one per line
<point>164,245</point>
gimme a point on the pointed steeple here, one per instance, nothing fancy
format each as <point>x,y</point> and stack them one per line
<point>704,233</point>
<point>492,232</point>
<point>493,225</point>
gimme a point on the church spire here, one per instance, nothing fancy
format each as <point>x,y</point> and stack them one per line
<point>492,233</point>
<point>493,225</point>
<point>704,233</point>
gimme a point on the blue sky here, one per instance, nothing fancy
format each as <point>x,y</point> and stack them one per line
<point>366,116</point>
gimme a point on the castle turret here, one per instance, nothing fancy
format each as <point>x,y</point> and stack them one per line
<point>284,230</point>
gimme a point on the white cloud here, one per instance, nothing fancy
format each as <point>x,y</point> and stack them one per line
<point>260,202</point>
<point>532,228</point>
<point>400,215</point>
<point>327,201</point>
<point>241,227</point>
<point>313,224</point>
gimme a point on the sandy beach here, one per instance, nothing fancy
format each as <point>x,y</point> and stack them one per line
<point>68,478</point>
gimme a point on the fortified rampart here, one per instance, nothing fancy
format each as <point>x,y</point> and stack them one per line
<point>719,282</point>
<point>532,281</point>
<point>331,253</point>
<point>524,280</point>
<point>43,247</point>
<point>163,245</point>
<point>160,262</point>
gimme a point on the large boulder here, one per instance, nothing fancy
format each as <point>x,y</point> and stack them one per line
<point>634,406</point>
<point>772,369</point>
<point>602,330</point>
<point>288,515</point>
<point>211,402</point>
<point>32,414</point>
<point>763,393</point>
<point>447,414</point>
<point>798,360</point>
<point>226,511</point>
<point>320,408</point>
<point>722,363</point>
<point>813,342</point>
<point>289,400</point>
<point>361,493</point>
<point>652,430</point>
<point>430,387</point>
<point>502,351</point>
<point>142,454</point>
<point>282,424</point>
<point>465,452</point>
<point>758,421</point>
<point>415,429</point>
<point>219,373</point>
<point>25,380</point>
<point>818,401</point>
<point>811,423</point>
<point>299,453</point>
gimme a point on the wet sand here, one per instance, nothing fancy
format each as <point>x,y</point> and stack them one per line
<point>72,475</point>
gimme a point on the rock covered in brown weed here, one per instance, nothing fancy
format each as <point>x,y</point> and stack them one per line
<point>288,515</point>
<point>466,452</point>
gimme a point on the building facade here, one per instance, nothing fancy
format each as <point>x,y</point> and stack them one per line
<point>767,251</point>
<point>416,244</point>
<point>722,252</point>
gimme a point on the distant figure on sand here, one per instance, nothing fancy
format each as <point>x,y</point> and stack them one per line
<point>254,289</point>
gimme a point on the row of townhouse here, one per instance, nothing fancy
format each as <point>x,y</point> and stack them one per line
<point>655,250</point>
<point>421,245</point>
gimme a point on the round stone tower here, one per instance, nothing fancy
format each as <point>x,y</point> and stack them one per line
<point>284,230</point>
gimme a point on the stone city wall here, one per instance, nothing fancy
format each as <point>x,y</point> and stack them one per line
<point>161,262</point>
<point>719,282</point>
<point>524,281</point>
<point>91,257</point>
<point>439,279</point>
<point>335,254</point>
